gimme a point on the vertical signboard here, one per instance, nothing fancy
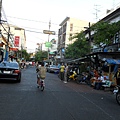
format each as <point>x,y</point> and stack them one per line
<point>16,41</point>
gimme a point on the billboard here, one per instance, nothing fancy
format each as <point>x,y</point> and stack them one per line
<point>16,41</point>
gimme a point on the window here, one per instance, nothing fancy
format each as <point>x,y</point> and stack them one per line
<point>70,35</point>
<point>71,27</point>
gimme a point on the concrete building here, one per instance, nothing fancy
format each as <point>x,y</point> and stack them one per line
<point>68,28</point>
<point>112,16</point>
<point>15,39</point>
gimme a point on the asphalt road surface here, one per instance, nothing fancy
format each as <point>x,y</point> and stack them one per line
<point>59,101</point>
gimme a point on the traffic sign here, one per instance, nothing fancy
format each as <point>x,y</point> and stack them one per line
<point>49,32</point>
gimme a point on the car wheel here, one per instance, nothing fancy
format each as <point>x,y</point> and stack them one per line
<point>19,79</point>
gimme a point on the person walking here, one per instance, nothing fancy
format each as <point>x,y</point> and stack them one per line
<point>62,68</point>
<point>66,73</point>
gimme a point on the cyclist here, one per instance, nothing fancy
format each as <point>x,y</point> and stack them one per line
<point>41,73</point>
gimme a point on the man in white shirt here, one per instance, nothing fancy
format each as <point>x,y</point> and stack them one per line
<point>99,82</point>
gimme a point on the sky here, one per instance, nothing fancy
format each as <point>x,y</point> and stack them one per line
<point>34,15</point>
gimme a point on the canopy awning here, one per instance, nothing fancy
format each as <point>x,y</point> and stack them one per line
<point>112,61</point>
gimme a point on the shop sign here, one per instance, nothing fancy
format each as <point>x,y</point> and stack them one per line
<point>16,41</point>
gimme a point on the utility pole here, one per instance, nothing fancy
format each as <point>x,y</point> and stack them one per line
<point>49,37</point>
<point>0,10</point>
<point>89,31</point>
<point>7,46</point>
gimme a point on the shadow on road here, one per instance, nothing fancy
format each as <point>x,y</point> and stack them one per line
<point>8,81</point>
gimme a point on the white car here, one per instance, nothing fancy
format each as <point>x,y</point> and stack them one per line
<point>52,68</point>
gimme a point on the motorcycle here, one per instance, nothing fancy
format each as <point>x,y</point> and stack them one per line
<point>41,84</point>
<point>72,76</point>
<point>117,92</point>
<point>84,78</point>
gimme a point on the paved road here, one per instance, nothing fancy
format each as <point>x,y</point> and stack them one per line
<point>59,101</point>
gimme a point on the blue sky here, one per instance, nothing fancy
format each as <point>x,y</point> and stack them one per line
<point>36,14</point>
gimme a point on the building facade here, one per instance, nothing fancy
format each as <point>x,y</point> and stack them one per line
<point>112,17</point>
<point>68,28</point>
<point>14,40</point>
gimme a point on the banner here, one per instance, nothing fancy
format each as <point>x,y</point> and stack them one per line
<point>16,41</point>
<point>48,44</point>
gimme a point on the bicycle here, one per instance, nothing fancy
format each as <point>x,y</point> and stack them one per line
<point>41,84</point>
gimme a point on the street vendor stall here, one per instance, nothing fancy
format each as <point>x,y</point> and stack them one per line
<point>112,65</point>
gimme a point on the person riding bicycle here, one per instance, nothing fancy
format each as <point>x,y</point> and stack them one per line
<point>41,73</point>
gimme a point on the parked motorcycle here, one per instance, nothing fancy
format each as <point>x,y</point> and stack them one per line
<point>117,92</point>
<point>84,78</point>
<point>72,76</point>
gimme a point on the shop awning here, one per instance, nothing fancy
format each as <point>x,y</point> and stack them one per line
<point>112,61</point>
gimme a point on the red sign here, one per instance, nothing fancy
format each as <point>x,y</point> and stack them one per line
<point>16,41</point>
<point>13,49</point>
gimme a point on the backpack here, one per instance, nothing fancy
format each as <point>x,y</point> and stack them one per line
<point>42,72</point>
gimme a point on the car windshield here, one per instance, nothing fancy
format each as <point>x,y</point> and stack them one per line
<point>10,64</point>
<point>53,66</point>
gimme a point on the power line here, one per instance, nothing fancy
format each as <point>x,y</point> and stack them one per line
<point>31,20</point>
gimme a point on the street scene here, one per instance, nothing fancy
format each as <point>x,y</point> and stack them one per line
<point>71,101</point>
<point>60,60</point>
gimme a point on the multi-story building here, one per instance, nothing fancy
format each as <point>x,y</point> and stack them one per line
<point>15,39</point>
<point>68,28</point>
<point>112,17</point>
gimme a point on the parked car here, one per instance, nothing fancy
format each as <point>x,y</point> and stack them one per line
<point>10,71</point>
<point>52,68</point>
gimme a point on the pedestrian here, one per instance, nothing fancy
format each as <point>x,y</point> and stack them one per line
<point>66,73</point>
<point>117,75</point>
<point>62,68</point>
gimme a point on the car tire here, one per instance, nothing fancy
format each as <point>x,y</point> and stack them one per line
<point>19,79</point>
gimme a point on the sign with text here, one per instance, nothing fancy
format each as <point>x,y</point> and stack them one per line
<point>16,41</point>
<point>49,32</point>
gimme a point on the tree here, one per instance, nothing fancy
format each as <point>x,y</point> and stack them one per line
<point>79,48</point>
<point>104,32</point>
<point>23,54</point>
<point>41,55</point>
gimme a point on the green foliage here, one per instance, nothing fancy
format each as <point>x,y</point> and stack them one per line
<point>104,32</point>
<point>23,54</point>
<point>79,48</point>
<point>41,55</point>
